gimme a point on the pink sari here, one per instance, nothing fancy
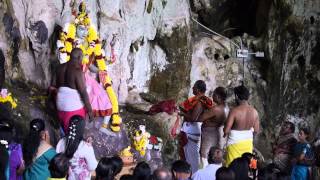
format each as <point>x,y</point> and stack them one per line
<point>98,97</point>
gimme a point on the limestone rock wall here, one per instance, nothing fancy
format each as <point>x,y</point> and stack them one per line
<point>285,83</point>
<point>144,48</point>
<point>292,46</point>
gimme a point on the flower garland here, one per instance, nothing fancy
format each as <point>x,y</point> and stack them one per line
<point>5,143</point>
<point>7,97</point>
<point>126,152</point>
<point>141,140</point>
<point>90,45</point>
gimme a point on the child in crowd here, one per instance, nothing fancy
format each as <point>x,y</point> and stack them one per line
<point>37,151</point>
<point>59,167</point>
<point>142,171</point>
<point>303,156</point>
<point>108,168</point>
<point>80,153</point>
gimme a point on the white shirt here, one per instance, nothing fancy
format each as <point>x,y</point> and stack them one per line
<point>83,161</point>
<point>208,173</point>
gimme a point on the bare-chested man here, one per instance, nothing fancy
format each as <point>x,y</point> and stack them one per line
<point>212,120</point>
<point>242,123</point>
<point>191,109</point>
<point>72,98</point>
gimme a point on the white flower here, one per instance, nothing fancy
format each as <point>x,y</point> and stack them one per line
<point>4,142</point>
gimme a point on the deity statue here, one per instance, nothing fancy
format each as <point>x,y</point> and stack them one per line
<point>82,34</point>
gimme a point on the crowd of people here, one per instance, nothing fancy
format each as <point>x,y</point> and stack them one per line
<point>74,158</point>
<point>215,142</point>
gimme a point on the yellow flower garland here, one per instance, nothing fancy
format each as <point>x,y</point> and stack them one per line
<point>90,47</point>
<point>140,142</point>
<point>9,99</point>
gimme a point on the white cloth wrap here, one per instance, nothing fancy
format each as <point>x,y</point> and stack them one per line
<point>68,99</point>
<point>235,136</point>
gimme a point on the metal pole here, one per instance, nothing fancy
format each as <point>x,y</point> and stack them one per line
<point>243,69</point>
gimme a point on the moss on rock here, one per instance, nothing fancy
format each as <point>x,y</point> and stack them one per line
<point>170,82</point>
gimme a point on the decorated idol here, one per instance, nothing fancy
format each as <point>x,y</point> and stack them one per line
<point>80,33</point>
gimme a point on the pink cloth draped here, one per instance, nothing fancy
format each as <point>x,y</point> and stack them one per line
<point>98,97</point>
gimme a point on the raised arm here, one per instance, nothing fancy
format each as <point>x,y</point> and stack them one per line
<point>229,123</point>
<point>83,92</point>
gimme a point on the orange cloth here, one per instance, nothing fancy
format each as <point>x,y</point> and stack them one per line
<point>190,103</point>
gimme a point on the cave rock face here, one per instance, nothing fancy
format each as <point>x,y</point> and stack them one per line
<point>144,30</point>
<point>292,43</point>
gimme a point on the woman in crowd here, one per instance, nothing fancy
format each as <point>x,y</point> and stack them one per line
<point>82,159</point>
<point>15,166</point>
<point>240,167</point>
<point>303,155</point>
<point>37,151</point>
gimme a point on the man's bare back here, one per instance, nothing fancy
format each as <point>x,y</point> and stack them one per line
<point>70,75</point>
<point>246,117</point>
<point>214,117</point>
<point>243,117</point>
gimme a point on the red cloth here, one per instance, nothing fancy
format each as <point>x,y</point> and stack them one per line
<point>189,104</point>
<point>175,127</point>
<point>168,106</point>
<point>153,140</point>
<point>65,116</point>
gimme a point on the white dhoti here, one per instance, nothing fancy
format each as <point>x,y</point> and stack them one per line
<point>191,151</point>
<point>239,142</point>
<point>69,104</point>
<point>192,148</point>
<point>68,99</point>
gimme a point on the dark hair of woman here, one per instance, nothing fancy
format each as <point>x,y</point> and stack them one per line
<point>224,173</point>
<point>75,135</point>
<point>4,158</point>
<point>306,130</point>
<point>32,141</point>
<point>105,169</point>
<point>240,167</point>
<point>142,171</point>
<point>117,163</point>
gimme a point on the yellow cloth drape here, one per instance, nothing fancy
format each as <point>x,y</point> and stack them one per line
<point>236,150</point>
